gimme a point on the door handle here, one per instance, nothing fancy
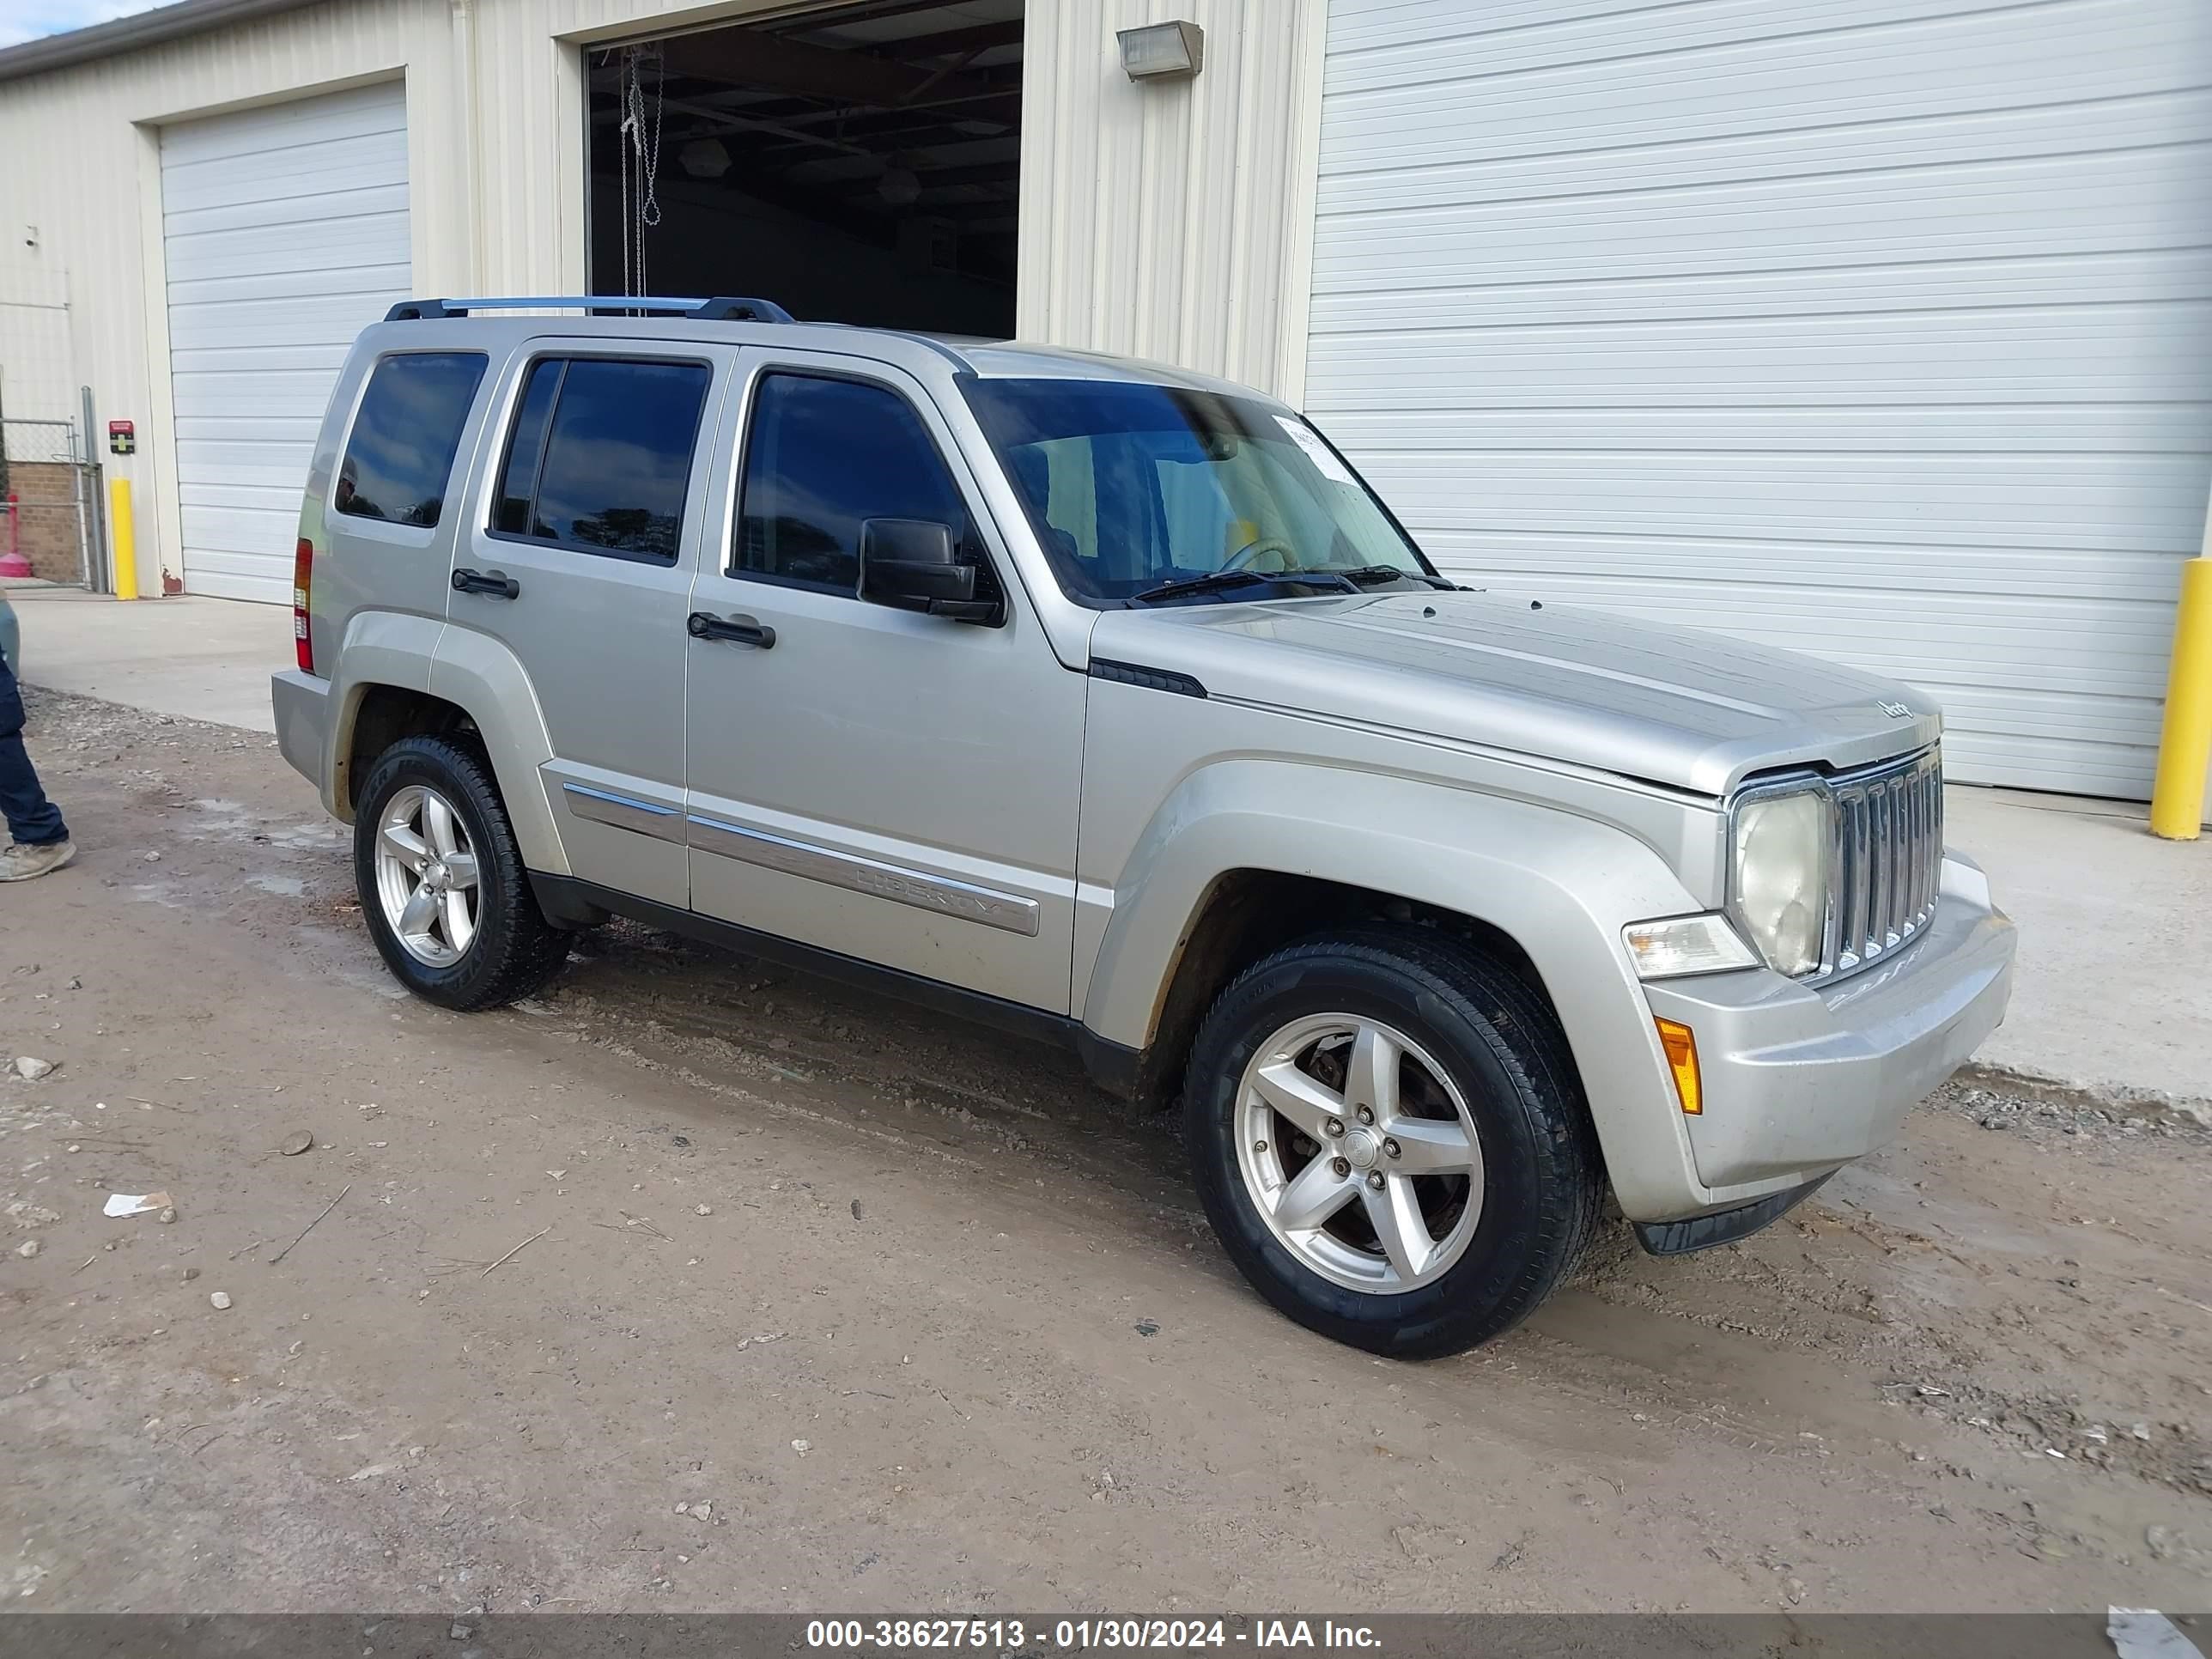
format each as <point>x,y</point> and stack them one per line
<point>738,630</point>
<point>496,583</point>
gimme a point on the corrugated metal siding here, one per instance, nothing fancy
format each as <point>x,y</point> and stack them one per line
<point>1170,221</point>
<point>511,221</point>
<point>1876,328</point>
<point>95,194</point>
<point>37,372</point>
<point>285,233</point>
<point>1167,221</point>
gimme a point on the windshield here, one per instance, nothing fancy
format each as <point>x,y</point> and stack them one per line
<point>1136,489</point>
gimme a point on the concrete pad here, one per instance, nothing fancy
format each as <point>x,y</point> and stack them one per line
<point>2114,995</point>
<point>203,660</point>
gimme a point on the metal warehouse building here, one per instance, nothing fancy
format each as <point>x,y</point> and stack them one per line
<point>1880,328</point>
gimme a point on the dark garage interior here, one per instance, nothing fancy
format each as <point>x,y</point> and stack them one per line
<point>860,164</point>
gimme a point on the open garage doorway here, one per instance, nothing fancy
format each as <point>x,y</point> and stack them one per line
<point>856,164</point>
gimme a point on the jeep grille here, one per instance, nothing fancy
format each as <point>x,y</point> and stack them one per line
<point>1887,861</point>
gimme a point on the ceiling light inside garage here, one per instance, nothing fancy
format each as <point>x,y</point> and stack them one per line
<point>704,158</point>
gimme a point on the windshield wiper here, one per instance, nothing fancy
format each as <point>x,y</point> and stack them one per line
<point>1215,581</point>
<point>1382,573</point>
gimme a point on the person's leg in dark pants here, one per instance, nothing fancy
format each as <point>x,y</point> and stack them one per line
<point>39,840</point>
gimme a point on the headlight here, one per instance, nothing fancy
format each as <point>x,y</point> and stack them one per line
<point>1778,876</point>
<point>1685,944</point>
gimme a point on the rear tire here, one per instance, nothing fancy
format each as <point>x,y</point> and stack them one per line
<point>443,882</point>
<point>1390,1138</point>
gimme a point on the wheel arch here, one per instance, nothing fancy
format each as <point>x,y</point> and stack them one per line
<point>1249,854</point>
<point>1246,914</point>
<point>378,716</point>
<point>405,676</point>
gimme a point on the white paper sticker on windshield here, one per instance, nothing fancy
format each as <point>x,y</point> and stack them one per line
<point>1318,453</point>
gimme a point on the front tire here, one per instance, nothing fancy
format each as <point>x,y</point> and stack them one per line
<point>1391,1141</point>
<point>443,882</point>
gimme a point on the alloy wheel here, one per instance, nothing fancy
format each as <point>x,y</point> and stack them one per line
<point>427,877</point>
<point>1358,1151</point>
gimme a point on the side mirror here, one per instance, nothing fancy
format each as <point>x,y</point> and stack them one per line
<point>908,564</point>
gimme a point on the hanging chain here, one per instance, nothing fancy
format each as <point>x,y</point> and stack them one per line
<point>640,137</point>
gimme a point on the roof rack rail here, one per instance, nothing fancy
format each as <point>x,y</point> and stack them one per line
<point>726,308</point>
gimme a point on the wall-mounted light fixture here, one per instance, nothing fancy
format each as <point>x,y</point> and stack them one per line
<point>1163,51</point>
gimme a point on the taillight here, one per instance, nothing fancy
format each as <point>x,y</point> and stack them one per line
<point>303,576</point>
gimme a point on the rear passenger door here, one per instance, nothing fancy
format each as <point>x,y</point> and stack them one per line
<point>579,560</point>
<point>885,784</point>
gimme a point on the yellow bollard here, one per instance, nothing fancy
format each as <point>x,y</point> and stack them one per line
<point>2185,747</point>
<point>123,537</point>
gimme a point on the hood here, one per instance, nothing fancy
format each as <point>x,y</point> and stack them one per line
<point>1680,707</point>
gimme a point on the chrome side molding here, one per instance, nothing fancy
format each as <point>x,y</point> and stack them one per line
<point>624,811</point>
<point>1009,912</point>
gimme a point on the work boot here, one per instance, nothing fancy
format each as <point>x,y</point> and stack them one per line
<point>20,861</point>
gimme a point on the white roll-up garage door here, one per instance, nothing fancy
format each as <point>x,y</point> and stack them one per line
<point>285,231</point>
<point>1873,328</point>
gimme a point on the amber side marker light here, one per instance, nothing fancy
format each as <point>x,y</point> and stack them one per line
<point>1681,1047</point>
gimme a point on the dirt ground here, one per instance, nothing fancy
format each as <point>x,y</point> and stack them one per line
<point>697,1285</point>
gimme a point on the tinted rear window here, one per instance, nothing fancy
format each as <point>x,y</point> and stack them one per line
<point>518,477</point>
<point>600,455</point>
<point>400,454</point>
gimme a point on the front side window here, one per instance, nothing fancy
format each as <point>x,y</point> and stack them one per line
<point>1134,489</point>
<point>400,453</point>
<point>599,457</point>
<point>824,456</point>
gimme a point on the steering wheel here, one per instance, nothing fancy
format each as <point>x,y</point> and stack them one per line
<point>1249,556</point>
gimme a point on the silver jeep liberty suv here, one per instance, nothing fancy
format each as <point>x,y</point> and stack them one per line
<point>1104,703</point>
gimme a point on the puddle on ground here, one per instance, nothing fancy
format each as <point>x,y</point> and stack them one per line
<point>282,886</point>
<point>230,820</point>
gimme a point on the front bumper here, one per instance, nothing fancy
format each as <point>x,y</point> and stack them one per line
<point>1799,1079</point>
<point>301,702</point>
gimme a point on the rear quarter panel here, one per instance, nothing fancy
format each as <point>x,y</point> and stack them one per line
<point>373,564</point>
<point>380,593</point>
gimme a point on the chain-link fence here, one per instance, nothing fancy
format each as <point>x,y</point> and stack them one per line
<point>45,502</point>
